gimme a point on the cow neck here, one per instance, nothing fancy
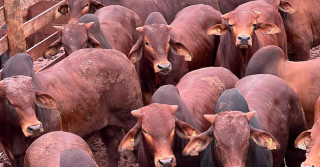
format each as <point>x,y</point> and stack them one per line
<point>244,56</point>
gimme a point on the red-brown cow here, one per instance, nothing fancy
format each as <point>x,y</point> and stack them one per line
<point>249,27</point>
<point>162,51</point>
<point>275,120</point>
<point>77,8</point>
<point>195,95</point>
<point>92,90</point>
<point>114,28</point>
<point>168,8</point>
<point>303,77</point>
<point>59,149</point>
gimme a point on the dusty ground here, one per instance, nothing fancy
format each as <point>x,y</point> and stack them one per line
<point>97,146</point>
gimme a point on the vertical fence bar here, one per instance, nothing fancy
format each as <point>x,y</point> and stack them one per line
<point>14,21</point>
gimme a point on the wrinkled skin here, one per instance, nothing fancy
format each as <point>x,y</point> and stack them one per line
<point>309,141</point>
<point>168,8</point>
<point>77,8</point>
<point>246,29</point>
<point>71,100</point>
<point>59,148</point>
<point>276,118</point>
<point>194,95</point>
<point>303,77</point>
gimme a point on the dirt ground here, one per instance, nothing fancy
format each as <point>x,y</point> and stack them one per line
<point>97,146</point>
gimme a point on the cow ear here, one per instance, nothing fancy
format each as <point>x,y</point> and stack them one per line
<point>287,7</point>
<point>44,100</point>
<point>131,139</point>
<point>96,5</point>
<point>268,28</point>
<point>218,29</point>
<point>198,143</point>
<point>179,49</point>
<point>264,139</point>
<point>53,49</point>
<point>63,9</point>
<point>93,42</point>
<point>304,140</point>
<point>135,53</point>
<point>184,130</point>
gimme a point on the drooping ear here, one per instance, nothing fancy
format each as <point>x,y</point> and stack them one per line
<point>184,130</point>
<point>135,53</point>
<point>198,143</point>
<point>63,9</point>
<point>131,139</point>
<point>53,49</point>
<point>210,117</point>
<point>218,29</point>
<point>250,115</point>
<point>179,49</point>
<point>44,100</point>
<point>264,139</point>
<point>304,140</point>
<point>268,28</point>
<point>93,42</point>
<point>287,7</point>
<point>96,5</point>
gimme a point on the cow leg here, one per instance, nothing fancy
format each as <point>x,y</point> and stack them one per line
<point>111,136</point>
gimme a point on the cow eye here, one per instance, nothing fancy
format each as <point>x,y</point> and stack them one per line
<point>147,43</point>
<point>230,26</point>
<point>144,131</point>
<point>254,26</point>
<point>217,143</point>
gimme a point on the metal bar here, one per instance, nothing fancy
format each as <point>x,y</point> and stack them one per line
<point>3,44</point>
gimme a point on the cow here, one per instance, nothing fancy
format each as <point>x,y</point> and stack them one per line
<point>303,77</point>
<point>91,91</point>
<point>229,5</point>
<point>59,148</point>
<point>196,94</point>
<point>98,30</point>
<point>260,114</point>
<point>163,52</point>
<point>77,8</point>
<point>309,141</point>
<point>246,29</point>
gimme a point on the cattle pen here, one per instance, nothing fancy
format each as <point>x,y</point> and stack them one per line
<point>29,26</point>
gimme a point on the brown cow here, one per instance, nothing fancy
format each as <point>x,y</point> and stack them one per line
<point>309,140</point>
<point>303,77</point>
<point>92,90</point>
<point>77,8</point>
<point>275,120</point>
<point>59,149</point>
<point>195,95</point>
<point>249,27</point>
<point>168,8</point>
<point>114,28</point>
<point>162,50</point>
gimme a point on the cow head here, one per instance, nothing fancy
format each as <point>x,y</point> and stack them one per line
<point>77,8</point>
<point>230,131</point>
<point>74,36</point>
<point>153,46</point>
<point>242,24</point>
<point>157,127</point>
<point>18,100</point>
<point>310,141</point>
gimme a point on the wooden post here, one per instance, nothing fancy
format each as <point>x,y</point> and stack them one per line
<point>14,21</point>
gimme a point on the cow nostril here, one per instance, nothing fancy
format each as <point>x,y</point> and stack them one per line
<point>163,162</point>
<point>239,37</point>
<point>248,38</point>
<point>34,128</point>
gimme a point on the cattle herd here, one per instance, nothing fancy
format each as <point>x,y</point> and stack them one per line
<point>185,83</point>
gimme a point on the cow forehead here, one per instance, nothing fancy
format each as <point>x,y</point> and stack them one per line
<point>242,16</point>
<point>77,3</point>
<point>19,88</point>
<point>74,32</point>
<point>231,127</point>
<point>157,32</point>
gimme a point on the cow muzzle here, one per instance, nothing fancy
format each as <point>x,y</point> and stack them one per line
<point>243,41</point>
<point>164,68</point>
<point>167,162</point>
<point>33,129</point>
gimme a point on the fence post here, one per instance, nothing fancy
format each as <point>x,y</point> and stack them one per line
<point>14,21</point>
